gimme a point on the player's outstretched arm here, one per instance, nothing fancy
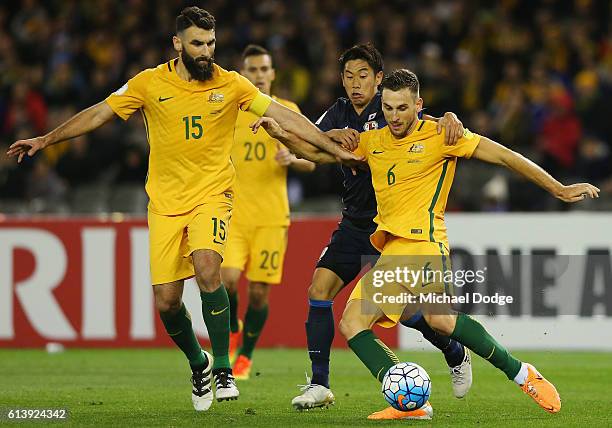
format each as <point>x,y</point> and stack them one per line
<point>81,123</point>
<point>298,146</point>
<point>285,158</point>
<point>492,152</point>
<point>296,124</point>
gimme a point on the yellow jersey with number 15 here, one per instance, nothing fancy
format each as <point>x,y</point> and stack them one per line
<point>261,183</point>
<point>190,128</point>
<point>412,178</point>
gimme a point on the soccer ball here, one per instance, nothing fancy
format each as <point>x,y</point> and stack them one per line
<point>406,386</point>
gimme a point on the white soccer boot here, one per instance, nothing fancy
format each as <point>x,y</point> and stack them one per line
<point>201,393</point>
<point>226,386</point>
<point>461,376</point>
<point>312,396</point>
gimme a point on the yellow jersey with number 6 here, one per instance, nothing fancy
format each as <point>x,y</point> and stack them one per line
<point>190,128</point>
<point>261,183</point>
<point>412,178</point>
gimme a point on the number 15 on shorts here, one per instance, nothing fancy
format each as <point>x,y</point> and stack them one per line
<point>219,230</point>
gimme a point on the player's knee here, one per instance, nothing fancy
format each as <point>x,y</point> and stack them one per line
<point>442,324</point>
<point>258,295</point>
<point>320,291</point>
<point>168,305</point>
<point>207,265</point>
<point>208,280</point>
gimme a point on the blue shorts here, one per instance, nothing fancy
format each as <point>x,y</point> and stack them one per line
<point>347,250</point>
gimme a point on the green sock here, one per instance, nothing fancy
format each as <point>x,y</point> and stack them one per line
<point>215,309</point>
<point>473,335</point>
<point>254,321</point>
<point>372,352</point>
<point>233,302</point>
<point>179,328</point>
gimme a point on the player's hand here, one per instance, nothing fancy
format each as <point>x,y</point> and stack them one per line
<point>347,138</point>
<point>284,156</point>
<point>350,159</point>
<point>454,128</point>
<point>22,147</point>
<point>270,125</point>
<point>578,192</point>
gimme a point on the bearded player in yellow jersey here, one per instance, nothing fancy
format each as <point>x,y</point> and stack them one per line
<point>412,172</point>
<point>258,239</point>
<point>189,106</point>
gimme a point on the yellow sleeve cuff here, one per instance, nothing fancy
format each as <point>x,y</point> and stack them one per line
<point>115,108</point>
<point>260,104</point>
<point>474,140</point>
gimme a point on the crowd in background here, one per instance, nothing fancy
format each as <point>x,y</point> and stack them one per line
<point>534,75</point>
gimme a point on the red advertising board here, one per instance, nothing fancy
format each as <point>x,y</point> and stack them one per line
<point>84,283</point>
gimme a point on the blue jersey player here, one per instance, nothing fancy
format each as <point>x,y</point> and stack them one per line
<point>341,261</point>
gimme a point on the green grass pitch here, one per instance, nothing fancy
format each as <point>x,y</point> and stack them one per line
<point>151,388</point>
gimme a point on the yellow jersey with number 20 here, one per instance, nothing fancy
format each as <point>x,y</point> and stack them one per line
<point>261,183</point>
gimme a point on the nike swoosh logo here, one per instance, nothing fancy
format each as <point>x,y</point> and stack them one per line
<point>378,374</point>
<point>376,152</point>
<point>213,312</point>
<point>249,334</point>
<point>161,100</point>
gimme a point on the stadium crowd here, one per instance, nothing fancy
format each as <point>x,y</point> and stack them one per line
<point>533,75</point>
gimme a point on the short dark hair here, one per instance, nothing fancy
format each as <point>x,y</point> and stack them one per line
<point>400,79</point>
<point>366,52</point>
<point>254,50</point>
<point>194,16</point>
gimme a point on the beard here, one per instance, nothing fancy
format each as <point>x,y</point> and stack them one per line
<point>200,69</point>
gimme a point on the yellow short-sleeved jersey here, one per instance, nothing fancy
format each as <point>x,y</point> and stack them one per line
<point>412,178</point>
<point>261,183</point>
<point>190,128</point>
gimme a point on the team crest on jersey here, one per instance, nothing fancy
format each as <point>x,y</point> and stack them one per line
<point>416,148</point>
<point>368,126</point>
<point>215,98</point>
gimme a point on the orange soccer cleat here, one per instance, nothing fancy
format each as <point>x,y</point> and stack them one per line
<point>542,391</point>
<point>242,368</point>
<point>234,342</point>
<point>425,412</point>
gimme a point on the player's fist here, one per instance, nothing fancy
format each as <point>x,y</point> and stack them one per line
<point>284,157</point>
<point>453,126</point>
<point>347,138</point>
<point>22,147</point>
<point>577,192</point>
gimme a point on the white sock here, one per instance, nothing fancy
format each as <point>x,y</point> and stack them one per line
<point>521,376</point>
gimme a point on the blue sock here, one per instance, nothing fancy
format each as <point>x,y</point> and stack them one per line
<point>320,334</point>
<point>453,351</point>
